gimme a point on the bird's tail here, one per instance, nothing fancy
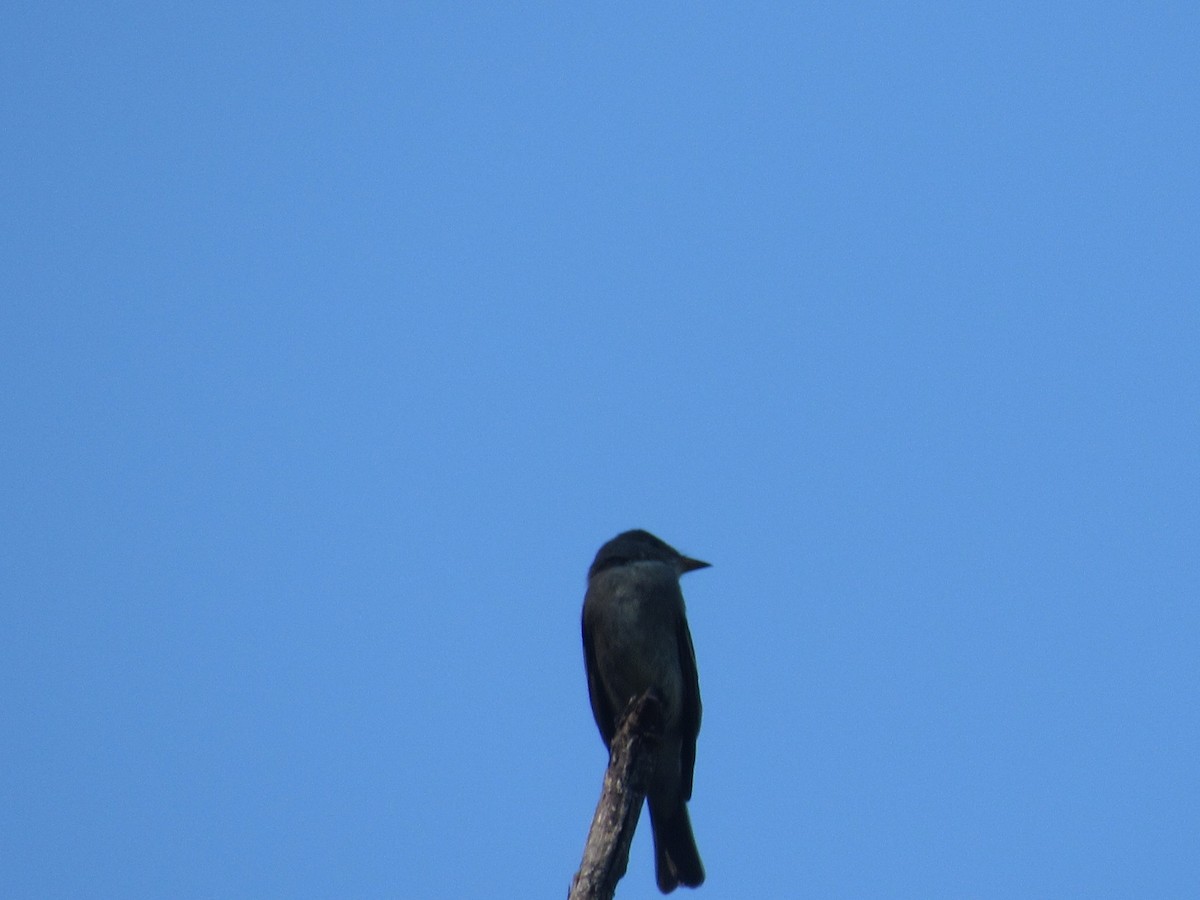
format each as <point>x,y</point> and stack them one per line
<point>676,859</point>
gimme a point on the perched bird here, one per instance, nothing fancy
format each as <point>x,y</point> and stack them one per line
<point>636,638</point>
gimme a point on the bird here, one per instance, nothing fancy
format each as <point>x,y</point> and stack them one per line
<point>635,639</point>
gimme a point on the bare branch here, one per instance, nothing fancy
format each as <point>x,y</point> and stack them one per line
<point>630,765</point>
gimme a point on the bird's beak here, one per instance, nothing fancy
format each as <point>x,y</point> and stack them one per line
<point>687,564</point>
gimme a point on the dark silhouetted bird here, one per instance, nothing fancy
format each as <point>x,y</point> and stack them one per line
<point>636,638</point>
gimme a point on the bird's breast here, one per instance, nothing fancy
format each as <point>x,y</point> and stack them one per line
<point>634,614</point>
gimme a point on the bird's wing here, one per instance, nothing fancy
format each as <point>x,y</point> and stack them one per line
<point>690,712</point>
<point>602,712</point>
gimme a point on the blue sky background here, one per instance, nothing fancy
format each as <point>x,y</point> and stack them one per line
<point>334,341</point>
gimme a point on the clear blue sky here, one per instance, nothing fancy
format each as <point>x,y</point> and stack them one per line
<point>334,341</point>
